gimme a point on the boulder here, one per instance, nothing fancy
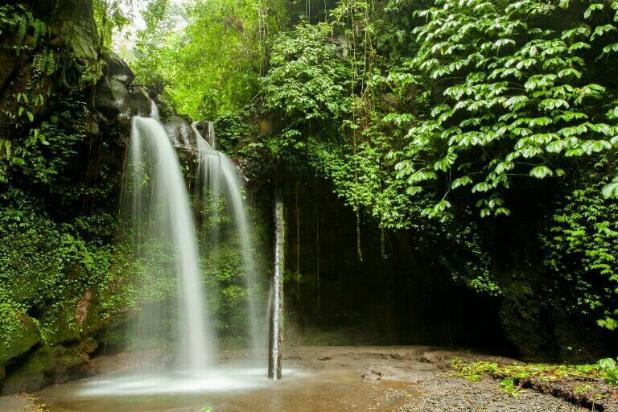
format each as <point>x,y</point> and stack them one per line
<point>22,337</point>
<point>46,365</point>
<point>72,21</point>
<point>117,100</point>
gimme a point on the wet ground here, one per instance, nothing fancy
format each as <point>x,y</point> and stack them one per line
<point>315,379</point>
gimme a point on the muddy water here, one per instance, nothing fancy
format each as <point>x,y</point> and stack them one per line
<point>315,379</point>
<point>307,391</point>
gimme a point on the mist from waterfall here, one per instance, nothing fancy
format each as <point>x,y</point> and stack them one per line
<point>219,180</point>
<point>165,242</point>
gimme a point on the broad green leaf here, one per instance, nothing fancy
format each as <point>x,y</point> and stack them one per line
<point>541,172</point>
<point>610,190</point>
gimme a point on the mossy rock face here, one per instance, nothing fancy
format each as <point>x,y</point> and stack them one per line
<point>113,337</point>
<point>60,327</point>
<point>23,336</point>
<point>46,365</point>
<point>524,324</point>
<point>542,330</point>
<point>74,22</point>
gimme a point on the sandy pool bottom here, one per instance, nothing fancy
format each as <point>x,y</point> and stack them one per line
<point>224,389</point>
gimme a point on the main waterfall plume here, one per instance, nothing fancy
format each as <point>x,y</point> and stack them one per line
<point>165,241</point>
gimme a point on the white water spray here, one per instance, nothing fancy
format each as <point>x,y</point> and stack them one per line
<point>219,177</point>
<point>162,217</point>
<point>154,110</point>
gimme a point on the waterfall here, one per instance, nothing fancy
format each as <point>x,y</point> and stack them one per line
<point>219,178</point>
<point>154,110</point>
<point>165,242</point>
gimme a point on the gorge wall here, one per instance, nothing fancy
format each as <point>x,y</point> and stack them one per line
<point>65,118</point>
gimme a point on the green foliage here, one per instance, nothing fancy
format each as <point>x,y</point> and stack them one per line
<point>212,66</point>
<point>512,376</point>
<point>509,387</point>
<point>492,94</point>
<point>109,17</point>
<point>510,83</point>
<point>10,310</point>
<point>582,249</point>
<point>609,368</point>
<point>230,129</point>
<point>26,30</point>
<point>45,270</point>
<point>49,147</point>
<point>307,77</point>
<point>610,190</point>
<point>473,371</point>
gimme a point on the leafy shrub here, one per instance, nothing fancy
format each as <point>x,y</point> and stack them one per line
<point>582,252</point>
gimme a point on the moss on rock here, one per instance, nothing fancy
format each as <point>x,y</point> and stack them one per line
<point>19,334</point>
<point>44,366</point>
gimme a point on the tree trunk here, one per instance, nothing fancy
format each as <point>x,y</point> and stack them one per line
<point>276,310</point>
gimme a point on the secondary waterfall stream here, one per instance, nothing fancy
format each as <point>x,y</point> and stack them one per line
<point>219,180</point>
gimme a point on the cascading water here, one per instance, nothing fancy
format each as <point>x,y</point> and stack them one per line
<point>170,291</point>
<point>219,178</point>
<point>154,110</point>
<point>166,242</point>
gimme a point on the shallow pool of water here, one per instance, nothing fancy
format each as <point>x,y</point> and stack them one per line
<point>229,388</point>
<point>223,379</point>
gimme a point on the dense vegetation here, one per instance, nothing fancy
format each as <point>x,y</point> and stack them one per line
<point>483,131</point>
<point>440,118</point>
<point>69,278</point>
<point>56,225</point>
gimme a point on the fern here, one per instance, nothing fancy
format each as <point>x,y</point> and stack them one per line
<point>21,21</point>
<point>22,27</point>
<point>39,30</point>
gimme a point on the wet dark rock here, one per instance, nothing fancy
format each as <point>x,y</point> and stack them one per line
<point>117,99</point>
<point>70,23</point>
<point>178,127</point>
<point>46,365</point>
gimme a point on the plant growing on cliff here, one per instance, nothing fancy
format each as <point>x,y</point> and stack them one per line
<point>19,29</point>
<point>514,91</point>
<point>479,103</point>
<point>582,251</point>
